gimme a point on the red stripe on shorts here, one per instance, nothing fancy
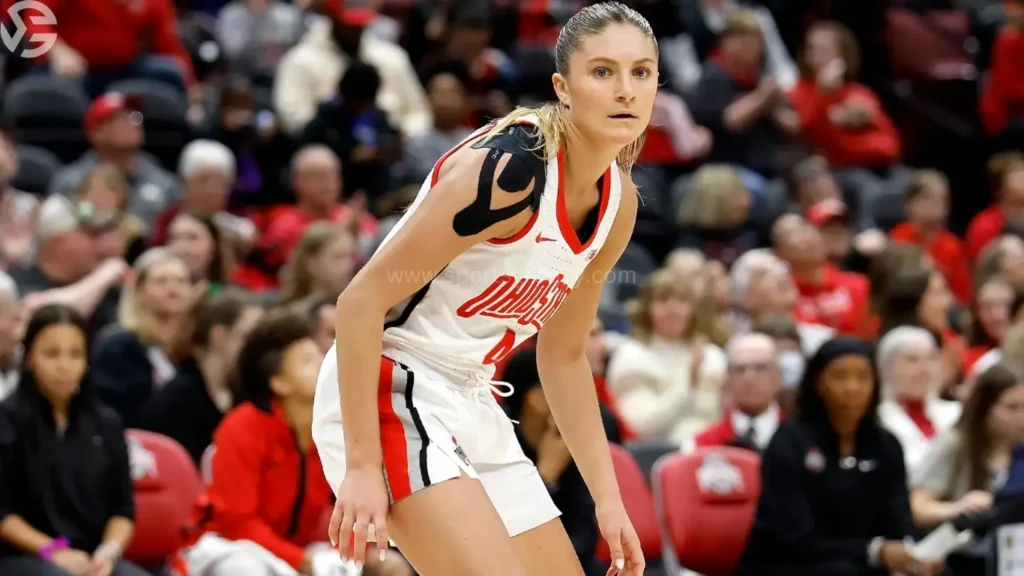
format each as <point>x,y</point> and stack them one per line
<point>392,436</point>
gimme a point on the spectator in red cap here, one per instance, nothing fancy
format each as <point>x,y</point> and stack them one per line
<point>309,73</point>
<point>103,41</point>
<point>113,125</point>
<point>832,220</point>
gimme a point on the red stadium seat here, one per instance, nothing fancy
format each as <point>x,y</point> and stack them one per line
<point>706,501</point>
<point>167,485</point>
<point>636,496</point>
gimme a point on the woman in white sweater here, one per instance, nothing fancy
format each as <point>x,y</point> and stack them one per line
<point>667,376</point>
<point>910,371</point>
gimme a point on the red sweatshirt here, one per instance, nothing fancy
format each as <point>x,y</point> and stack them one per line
<point>839,301</point>
<point>111,34</point>
<point>947,252</point>
<point>1003,98</point>
<point>877,145</point>
<point>264,489</point>
<point>985,227</point>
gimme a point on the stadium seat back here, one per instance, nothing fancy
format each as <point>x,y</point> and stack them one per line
<point>167,486</point>
<point>639,502</point>
<point>706,501</point>
<point>36,167</point>
<point>647,452</point>
<point>46,112</point>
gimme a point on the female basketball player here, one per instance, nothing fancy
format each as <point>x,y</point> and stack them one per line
<point>516,228</point>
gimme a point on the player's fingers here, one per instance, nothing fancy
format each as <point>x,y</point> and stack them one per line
<point>380,528</point>
<point>359,531</point>
<point>345,533</point>
<point>335,524</point>
<point>615,548</point>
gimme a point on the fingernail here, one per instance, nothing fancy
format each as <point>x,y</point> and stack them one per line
<point>382,555</point>
<point>359,565</point>
<point>620,564</point>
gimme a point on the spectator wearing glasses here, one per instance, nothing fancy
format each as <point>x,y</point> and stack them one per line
<point>834,494</point>
<point>106,189</point>
<point>17,211</point>
<point>66,505</point>
<point>67,267</point>
<point>752,385</point>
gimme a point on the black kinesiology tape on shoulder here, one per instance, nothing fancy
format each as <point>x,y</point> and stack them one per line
<point>525,166</point>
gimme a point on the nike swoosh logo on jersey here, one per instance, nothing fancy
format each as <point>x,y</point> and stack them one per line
<point>541,238</point>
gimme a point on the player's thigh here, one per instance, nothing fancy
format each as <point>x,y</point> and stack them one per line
<point>452,529</point>
<point>547,551</point>
<point>530,517</point>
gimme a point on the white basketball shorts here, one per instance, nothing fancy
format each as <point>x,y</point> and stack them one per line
<point>434,430</point>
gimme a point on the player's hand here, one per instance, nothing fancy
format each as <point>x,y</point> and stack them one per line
<point>362,502</point>
<point>624,544</point>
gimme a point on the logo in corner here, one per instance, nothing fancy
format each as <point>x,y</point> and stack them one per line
<point>37,44</point>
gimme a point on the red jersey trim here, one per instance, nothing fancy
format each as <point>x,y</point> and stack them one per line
<point>568,232</point>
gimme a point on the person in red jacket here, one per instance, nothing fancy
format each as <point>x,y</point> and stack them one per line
<point>828,295</point>
<point>1002,101</point>
<point>754,383</point>
<point>103,41</point>
<point>927,210</point>
<point>1006,178</point>
<point>838,115</point>
<point>267,497</point>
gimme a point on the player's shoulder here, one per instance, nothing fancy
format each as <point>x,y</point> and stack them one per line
<point>519,137</point>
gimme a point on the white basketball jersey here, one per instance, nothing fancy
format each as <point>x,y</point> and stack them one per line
<point>499,293</point>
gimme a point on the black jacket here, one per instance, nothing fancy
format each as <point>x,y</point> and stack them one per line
<point>63,484</point>
<point>184,411</point>
<point>817,512</point>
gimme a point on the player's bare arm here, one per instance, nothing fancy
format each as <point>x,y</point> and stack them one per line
<point>460,211</point>
<point>564,371</point>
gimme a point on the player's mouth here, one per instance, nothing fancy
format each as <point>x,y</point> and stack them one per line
<point>623,116</point>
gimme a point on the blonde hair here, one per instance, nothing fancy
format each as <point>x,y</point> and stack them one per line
<point>711,201</point>
<point>662,285</point>
<point>552,118</point>
<point>298,282</point>
<point>128,313</point>
<point>740,23</point>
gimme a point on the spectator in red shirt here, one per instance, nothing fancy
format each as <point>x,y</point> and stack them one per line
<point>1006,177</point>
<point>753,382</point>
<point>268,493</point>
<point>1002,101</point>
<point>927,211</point>
<point>316,178</point>
<point>838,115</point>
<point>828,295</point>
<point>103,41</point>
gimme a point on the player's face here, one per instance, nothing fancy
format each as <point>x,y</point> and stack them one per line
<point>611,84</point>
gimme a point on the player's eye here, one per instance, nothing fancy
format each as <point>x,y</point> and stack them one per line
<point>642,72</point>
<point>602,72</point>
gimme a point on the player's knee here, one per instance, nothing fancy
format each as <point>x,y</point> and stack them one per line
<point>240,563</point>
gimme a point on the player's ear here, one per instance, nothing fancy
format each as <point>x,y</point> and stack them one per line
<point>561,88</point>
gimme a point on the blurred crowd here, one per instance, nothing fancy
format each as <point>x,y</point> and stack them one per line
<point>186,187</point>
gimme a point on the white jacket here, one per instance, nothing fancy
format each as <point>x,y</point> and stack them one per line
<point>942,413</point>
<point>309,73</point>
